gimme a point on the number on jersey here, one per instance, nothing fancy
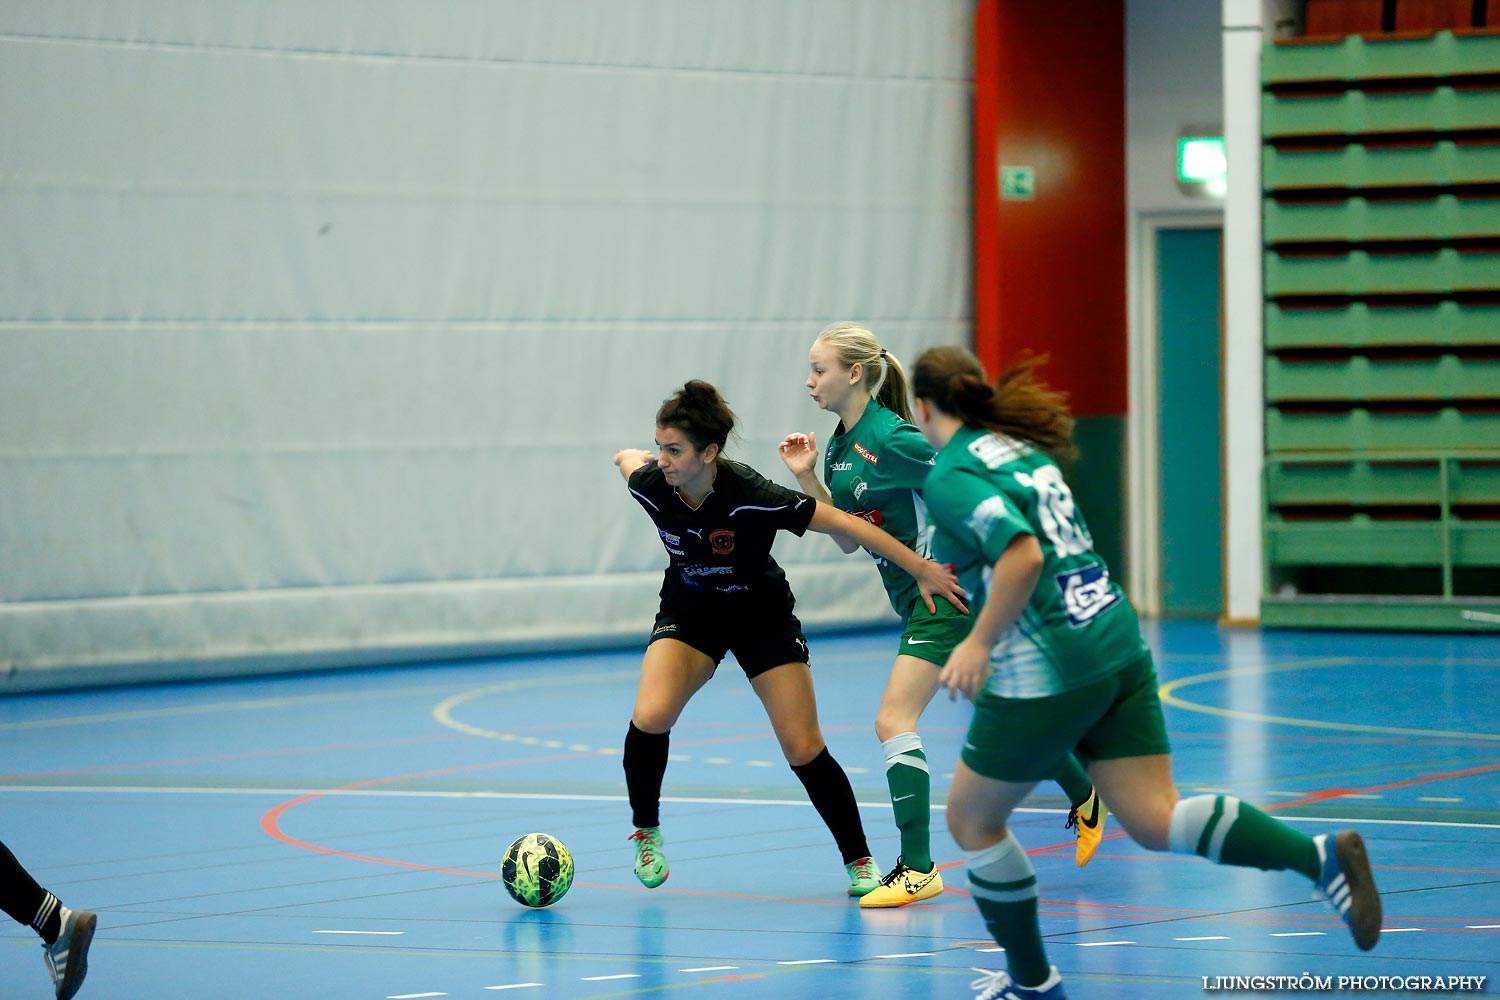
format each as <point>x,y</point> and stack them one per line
<point>1056,511</point>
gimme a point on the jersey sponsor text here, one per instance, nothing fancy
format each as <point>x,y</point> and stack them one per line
<point>1086,593</point>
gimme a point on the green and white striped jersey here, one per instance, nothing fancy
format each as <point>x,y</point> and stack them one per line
<point>984,490</point>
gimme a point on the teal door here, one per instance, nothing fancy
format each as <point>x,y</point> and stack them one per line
<point>1190,429</point>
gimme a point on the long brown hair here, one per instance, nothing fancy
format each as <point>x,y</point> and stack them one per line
<point>855,345</point>
<point>700,413</point>
<point>1019,404</point>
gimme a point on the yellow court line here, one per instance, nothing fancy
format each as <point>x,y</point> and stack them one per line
<point>1165,692</point>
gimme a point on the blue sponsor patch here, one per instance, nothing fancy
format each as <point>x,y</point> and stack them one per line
<point>1086,593</point>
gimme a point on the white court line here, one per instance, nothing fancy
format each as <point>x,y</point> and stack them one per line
<point>1210,937</point>
<point>910,954</point>
<point>1101,944</point>
<point>372,933</point>
<point>515,986</point>
<point>1482,927</point>
<point>395,793</point>
<point>1301,934</point>
<point>1438,798</point>
<point>414,996</point>
<point>677,799</point>
<point>809,961</point>
<point>602,979</point>
<point>1401,930</point>
<point>712,968</point>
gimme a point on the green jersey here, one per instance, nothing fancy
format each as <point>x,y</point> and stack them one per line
<point>983,491</point>
<point>875,470</point>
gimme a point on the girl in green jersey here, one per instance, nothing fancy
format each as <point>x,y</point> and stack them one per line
<point>1055,664</point>
<point>875,468</point>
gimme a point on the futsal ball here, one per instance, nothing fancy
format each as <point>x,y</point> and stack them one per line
<point>537,870</point>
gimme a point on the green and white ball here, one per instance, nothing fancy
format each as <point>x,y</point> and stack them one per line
<point>537,870</point>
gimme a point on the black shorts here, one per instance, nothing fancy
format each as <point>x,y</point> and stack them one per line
<point>758,639</point>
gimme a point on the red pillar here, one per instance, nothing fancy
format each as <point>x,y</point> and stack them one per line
<point>1049,94</point>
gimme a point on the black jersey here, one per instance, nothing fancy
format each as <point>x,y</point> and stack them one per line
<point>722,551</point>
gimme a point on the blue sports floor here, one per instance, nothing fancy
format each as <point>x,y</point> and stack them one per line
<point>338,836</point>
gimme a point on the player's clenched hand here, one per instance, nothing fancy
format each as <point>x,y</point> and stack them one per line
<point>636,456</point>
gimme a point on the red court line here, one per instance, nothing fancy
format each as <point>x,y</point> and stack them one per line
<point>1334,793</point>
<point>270,822</point>
<point>271,825</point>
<point>1326,795</point>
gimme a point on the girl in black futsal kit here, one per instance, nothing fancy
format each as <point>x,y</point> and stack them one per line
<point>65,933</point>
<point>723,593</point>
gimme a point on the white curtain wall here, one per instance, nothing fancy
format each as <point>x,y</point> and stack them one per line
<point>320,321</point>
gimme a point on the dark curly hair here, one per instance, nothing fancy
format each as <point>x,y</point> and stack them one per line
<point>699,412</point>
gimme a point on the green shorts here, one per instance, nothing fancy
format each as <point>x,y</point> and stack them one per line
<point>930,636</point>
<point>1027,739</point>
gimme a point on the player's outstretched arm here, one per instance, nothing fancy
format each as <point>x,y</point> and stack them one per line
<point>630,459</point>
<point>932,579</point>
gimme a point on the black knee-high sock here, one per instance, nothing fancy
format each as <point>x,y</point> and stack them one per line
<point>25,901</point>
<point>645,766</point>
<point>832,795</point>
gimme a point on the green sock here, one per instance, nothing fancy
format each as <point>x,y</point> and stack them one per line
<point>1074,781</point>
<point>911,797</point>
<point>1004,887</point>
<point>1227,831</point>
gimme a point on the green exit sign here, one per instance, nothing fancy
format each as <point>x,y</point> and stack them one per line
<point>1201,159</point>
<point>1017,183</point>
